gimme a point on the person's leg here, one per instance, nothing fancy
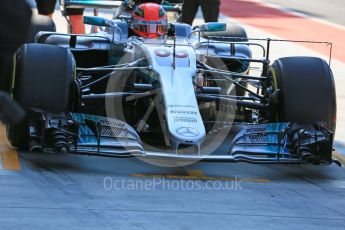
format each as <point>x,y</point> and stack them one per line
<point>15,25</point>
<point>210,10</point>
<point>46,7</point>
<point>189,10</point>
<point>44,22</point>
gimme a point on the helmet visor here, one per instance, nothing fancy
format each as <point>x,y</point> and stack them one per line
<point>152,27</point>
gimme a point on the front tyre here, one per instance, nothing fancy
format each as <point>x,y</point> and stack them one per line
<point>307,90</point>
<point>44,77</point>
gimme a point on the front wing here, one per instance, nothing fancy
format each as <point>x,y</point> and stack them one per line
<point>253,143</point>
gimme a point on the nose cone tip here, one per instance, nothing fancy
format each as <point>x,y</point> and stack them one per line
<point>190,135</point>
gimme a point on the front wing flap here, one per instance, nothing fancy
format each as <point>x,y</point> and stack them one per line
<point>284,141</point>
<point>100,135</point>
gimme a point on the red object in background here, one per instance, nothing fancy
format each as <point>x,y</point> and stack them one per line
<point>78,26</point>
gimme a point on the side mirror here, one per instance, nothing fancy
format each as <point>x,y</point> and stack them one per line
<point>171,8</point>
<point>96,21</point>
<point>213,26</point>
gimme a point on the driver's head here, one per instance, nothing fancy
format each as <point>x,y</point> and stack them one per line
<point>149,20</point>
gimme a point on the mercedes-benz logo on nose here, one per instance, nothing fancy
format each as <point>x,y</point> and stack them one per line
<point>188,132</point>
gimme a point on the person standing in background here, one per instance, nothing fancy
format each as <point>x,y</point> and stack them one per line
<point>210,10</point>
<point>15,23</point>
<point>47,7</point>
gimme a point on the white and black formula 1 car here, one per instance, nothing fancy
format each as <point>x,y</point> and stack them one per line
<point>192,95</point>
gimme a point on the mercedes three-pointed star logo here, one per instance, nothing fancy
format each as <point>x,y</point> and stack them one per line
<point>188,132</point>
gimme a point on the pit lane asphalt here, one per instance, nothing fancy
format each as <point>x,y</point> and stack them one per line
<point>60,191</point>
